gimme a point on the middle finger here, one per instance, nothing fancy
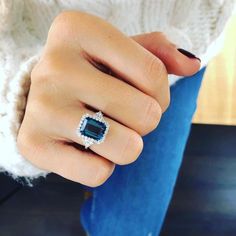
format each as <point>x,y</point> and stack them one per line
<point>114,97</point>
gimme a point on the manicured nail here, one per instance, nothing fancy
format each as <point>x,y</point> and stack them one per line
<point>188,54</point>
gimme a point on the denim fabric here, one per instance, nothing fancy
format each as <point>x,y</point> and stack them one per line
<point>135,199</point>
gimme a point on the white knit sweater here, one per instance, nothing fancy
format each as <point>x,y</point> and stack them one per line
<point>191,24</point>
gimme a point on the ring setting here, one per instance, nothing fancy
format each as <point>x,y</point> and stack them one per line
<point>92,129</point>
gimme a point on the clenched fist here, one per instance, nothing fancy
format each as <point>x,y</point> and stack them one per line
<point>87,65</point>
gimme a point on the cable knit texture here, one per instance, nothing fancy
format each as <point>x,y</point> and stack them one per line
<point>192,25</point>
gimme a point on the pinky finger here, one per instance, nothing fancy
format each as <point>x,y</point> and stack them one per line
<point>77,165</point>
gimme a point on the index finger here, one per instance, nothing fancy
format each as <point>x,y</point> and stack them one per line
<point>99,41</point>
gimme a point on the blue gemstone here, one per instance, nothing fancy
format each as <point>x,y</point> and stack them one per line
<point>93,128</point>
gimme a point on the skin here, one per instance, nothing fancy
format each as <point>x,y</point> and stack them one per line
<point>88,65</point>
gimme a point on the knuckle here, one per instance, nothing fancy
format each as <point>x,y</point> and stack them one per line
<point>155,69</point>
<point>44,71</point>
<point>62,16</point>
<point>35,72</point>
<point>39,104</point>
<point>62,19</point>
<point>152,115</point>
<point>61,29</point>
<point>43,112</point>
<point>153,65</point>
<point>132,149</point>
<point>48,68</point>
<point>157,35</point>
<point>166,102</point>
<point>67,25</point>
<point>39,72</point>
<point>65,16</point>
<point>46,84</point>
<point>25,144</point>
<point>102,173</point>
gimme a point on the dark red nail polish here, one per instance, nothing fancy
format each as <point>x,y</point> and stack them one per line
<point>188,54</point>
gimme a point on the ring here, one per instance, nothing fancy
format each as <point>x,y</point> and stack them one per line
<point>92,129</point>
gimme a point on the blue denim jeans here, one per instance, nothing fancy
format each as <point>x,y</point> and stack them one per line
<point>135,199</point>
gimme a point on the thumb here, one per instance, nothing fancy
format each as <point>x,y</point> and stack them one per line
<point>177,61</point>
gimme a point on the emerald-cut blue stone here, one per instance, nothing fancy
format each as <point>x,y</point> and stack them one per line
<point>93,128</point>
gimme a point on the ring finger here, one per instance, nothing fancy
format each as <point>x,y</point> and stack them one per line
<point>121,145</point>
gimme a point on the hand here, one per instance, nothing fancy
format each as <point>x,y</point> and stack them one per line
<point>69,81</point>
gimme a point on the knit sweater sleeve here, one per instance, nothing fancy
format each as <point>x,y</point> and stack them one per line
<point>24,26</point>
<point>19,52</point>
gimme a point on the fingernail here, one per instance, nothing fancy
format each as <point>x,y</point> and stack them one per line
<point>188,54</point>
